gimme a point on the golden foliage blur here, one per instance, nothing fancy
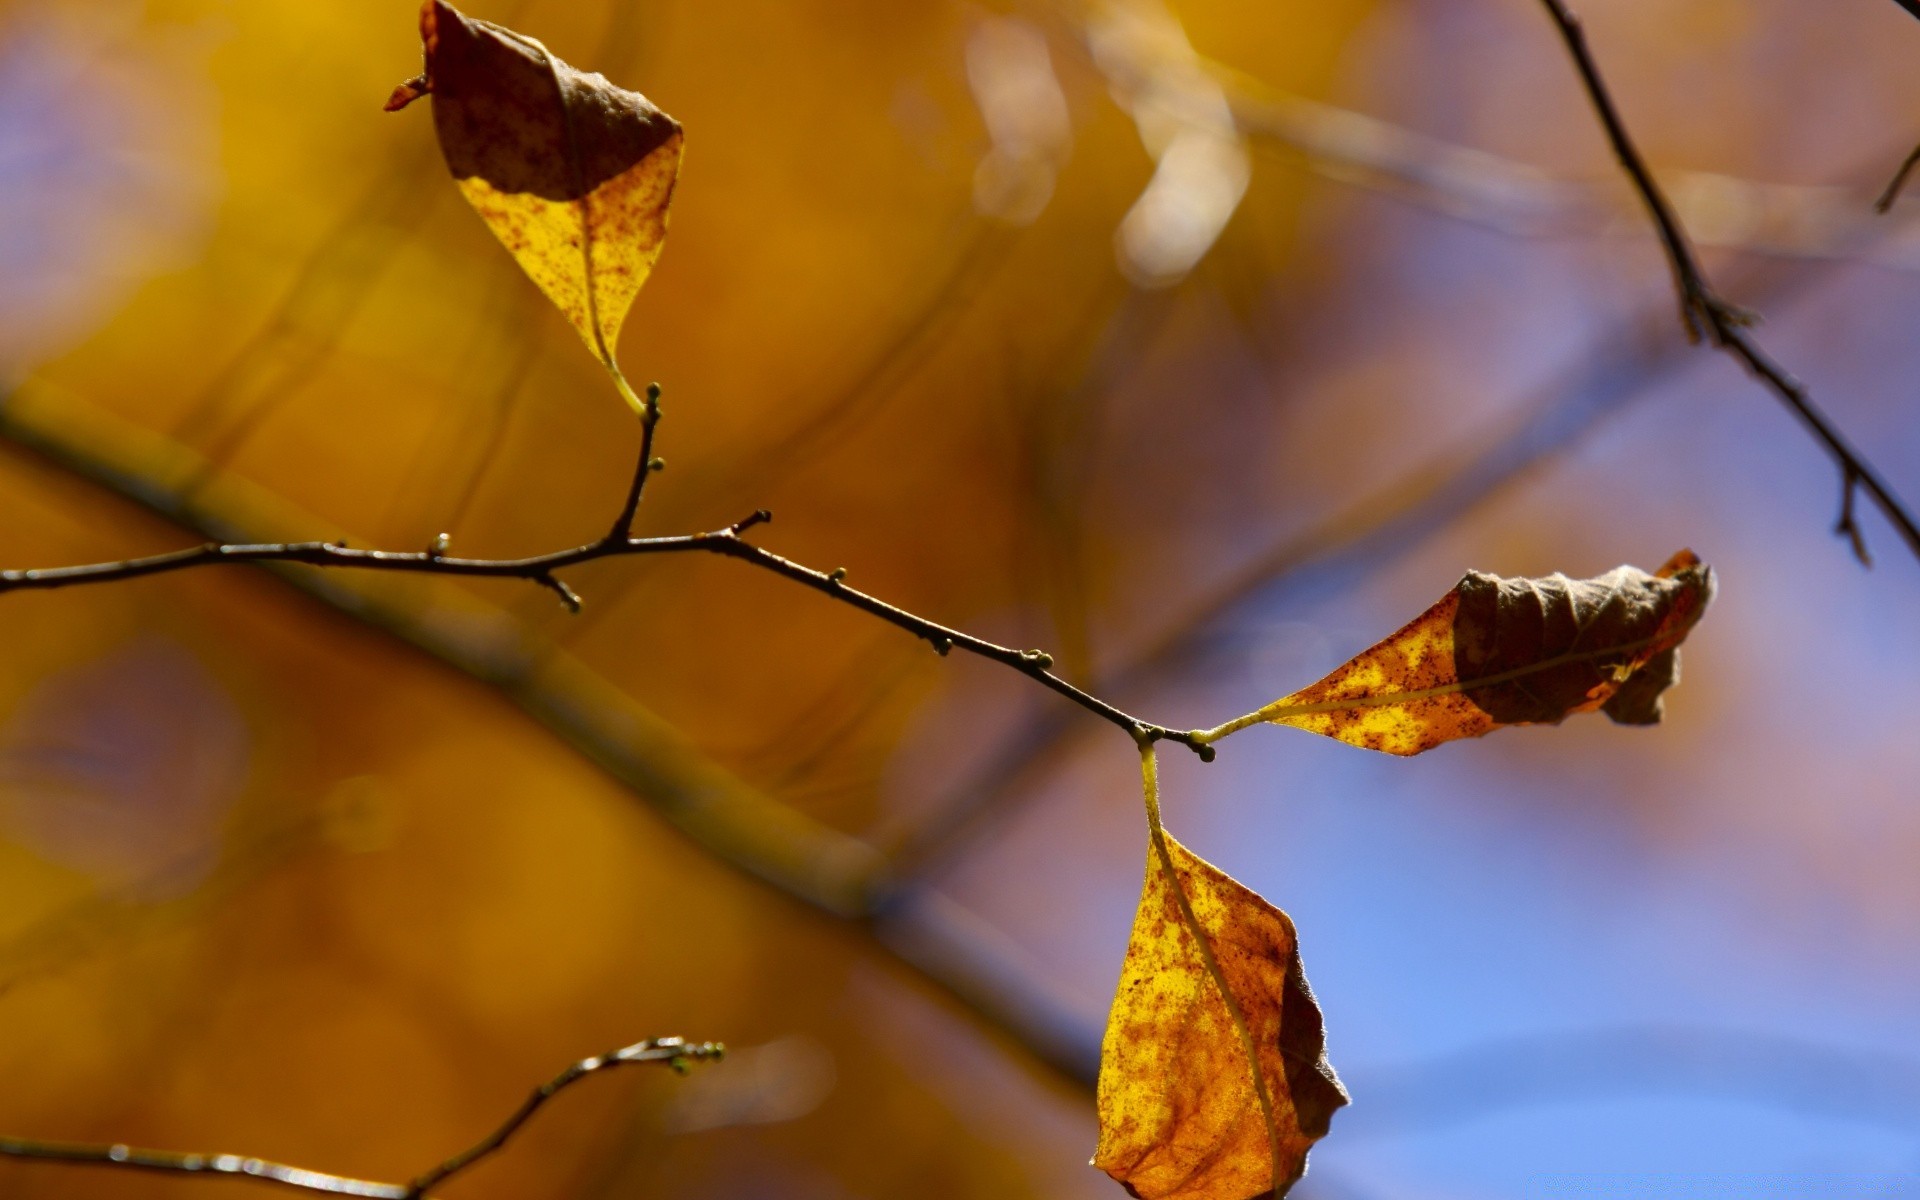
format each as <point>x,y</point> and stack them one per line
<point>402,902</point>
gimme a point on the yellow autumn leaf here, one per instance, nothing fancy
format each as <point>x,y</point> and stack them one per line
<point>571,173</point>
<point>1496,652</point>
<point>1182,1114</point>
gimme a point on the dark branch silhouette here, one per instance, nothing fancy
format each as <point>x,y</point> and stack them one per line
<point>622,530</point>
<point>671,1052</point>
<point>542,569</point>
<point>1898,182</point>
<point>1706,314</point>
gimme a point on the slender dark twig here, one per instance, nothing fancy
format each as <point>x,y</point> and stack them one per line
<point>672,1052</point>
<point>227,1166</point>
<point>623,524</point>
<point>1706,314</point>
<point>1898,181</point>
<point>543,570</point>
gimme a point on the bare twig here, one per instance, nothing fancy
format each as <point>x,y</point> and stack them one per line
<point>543,570</point>
<point>672,1052</point>
<point>227,1166</point>
<point>1899,181</point>
<point>623,524</point>
<point>1705,314</point>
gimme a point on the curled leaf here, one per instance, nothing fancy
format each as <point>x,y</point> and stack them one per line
<point>1496,652</point>
<point>1180,1115</point>
<point>572,174</point>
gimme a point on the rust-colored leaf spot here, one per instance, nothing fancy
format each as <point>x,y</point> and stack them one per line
<point>1181,1116</point>
<point>572,174</point>
<point>1497,652</point>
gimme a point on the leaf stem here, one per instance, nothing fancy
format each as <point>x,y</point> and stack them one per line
<point>1157,834</point>
<point>620,383</point>
<point>1207,737</point>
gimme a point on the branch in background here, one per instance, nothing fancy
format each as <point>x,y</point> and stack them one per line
<point>1706,314</point>
<point>1324,558</point>
<point>1518,199</point>
<point>727,819</point>
<point>671,1052</point>
<point>737,824</point>
<point>618,542</point>
<point>1620,365</point>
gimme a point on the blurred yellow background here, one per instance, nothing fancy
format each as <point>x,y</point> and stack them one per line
<point>1200,343</point>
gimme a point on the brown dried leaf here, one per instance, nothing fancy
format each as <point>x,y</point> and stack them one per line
<point>1180,1116</point>
<point>1497,652</point>
<point>572,174</point>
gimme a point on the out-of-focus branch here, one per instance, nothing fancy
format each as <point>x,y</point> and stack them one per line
<point>1517,198</point>
<point>671,1052</point>
<point>796,855</point>
<point>1325,556</point>
<point>1706,314</point>
<point>1472,185</point>
<point>1621,365</point>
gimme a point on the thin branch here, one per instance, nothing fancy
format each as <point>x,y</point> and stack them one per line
<point>542,569</point>
<point>672,1052</point>
<point>227,1166</point>
<point>568,597</point>
<point>1706,314</point>
<point>1506,195</point>
<point>1899,181</point>
<point>959,281</point>
<point>649,420</point>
